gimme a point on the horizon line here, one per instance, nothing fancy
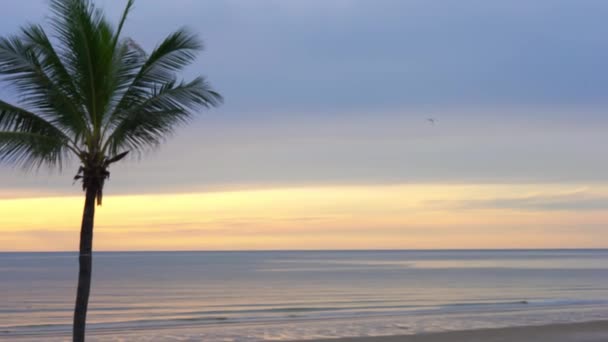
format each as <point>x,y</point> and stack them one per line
<point>326,250</point>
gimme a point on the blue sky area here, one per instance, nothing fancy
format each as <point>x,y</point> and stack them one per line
<point>338,92</point>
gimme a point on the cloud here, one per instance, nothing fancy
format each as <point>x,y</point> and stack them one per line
<point>575,201</point>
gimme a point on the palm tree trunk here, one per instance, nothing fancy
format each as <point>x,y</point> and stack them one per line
<point>85,260</point>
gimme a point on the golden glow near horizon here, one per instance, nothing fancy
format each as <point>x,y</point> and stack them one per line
<point>328,217</point>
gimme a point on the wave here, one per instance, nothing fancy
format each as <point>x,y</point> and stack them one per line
<point>277,314</point>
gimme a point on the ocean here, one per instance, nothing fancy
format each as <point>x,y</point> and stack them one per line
<point>282,295</point>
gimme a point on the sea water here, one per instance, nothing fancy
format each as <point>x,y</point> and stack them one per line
<point>252,296</point>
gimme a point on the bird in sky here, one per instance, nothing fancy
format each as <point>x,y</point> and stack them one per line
<point>432,121</point>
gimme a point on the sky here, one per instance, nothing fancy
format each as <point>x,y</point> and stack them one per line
<point>323,141</point>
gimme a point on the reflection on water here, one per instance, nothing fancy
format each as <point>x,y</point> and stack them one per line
<point>186,290</point>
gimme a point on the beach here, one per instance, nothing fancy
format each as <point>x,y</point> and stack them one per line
<point>577,332</point>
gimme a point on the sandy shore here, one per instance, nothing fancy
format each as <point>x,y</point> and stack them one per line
<point>576,332</point>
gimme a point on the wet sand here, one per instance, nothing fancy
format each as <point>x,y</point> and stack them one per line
<point>575,332</point>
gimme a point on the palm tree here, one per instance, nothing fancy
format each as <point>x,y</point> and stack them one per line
<point>86,92</point>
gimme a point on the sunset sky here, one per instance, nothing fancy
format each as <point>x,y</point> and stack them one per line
<point>323,141</point>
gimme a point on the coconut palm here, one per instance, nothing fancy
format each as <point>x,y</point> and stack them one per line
<point>88,94</point>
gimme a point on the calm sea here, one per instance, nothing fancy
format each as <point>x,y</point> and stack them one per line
<point>249,296</point>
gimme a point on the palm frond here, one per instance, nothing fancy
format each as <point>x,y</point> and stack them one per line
<point>148,123</point>
<point>32,150</point>
<point>128,59</point>
<point>87,47</point>
<point>177,51</point>
<point>17,119</point>
<point>122,21</point>
<point>58,96</point>
<point>174,53</point>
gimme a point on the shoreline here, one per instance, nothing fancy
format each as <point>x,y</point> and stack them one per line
<point>595,331</point>
<point>590,331</point>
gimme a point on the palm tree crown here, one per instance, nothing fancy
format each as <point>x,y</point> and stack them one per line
<point>87,92</point>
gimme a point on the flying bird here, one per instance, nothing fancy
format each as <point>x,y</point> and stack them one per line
<point>432,121</point>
